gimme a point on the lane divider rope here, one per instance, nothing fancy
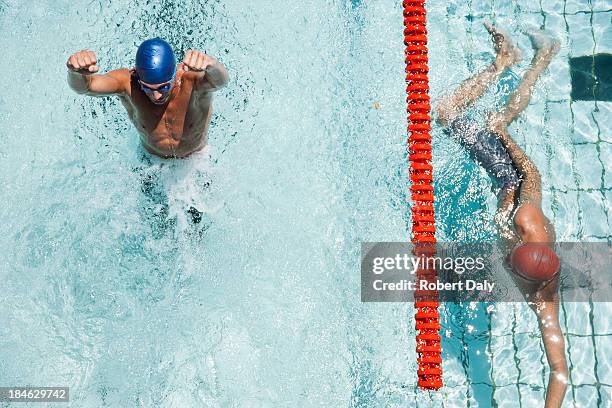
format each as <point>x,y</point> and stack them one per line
<point>423,218</point>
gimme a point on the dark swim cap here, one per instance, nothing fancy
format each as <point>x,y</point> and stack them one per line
<point>155,61</point>
<point>534,261</point>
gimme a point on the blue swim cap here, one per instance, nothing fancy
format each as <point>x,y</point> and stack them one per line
<point>155,61</point>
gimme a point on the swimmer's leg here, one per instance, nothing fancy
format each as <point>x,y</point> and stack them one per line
<point>545,49</point>
<point>155,209</point>
<point>452,106</point>
<point>531,190</point>
<point>196,215</point>
<point>199,219</point>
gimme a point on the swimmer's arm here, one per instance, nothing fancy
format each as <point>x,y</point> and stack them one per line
<point>531,184</point>
<point>503,216</point>
<point>207,72</point>
<point>554,346</point>
<point>112,83</point>
<point>213,78</point>
<point>216,76</point>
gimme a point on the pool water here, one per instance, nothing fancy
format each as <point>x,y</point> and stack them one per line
<point>113,289</point>
<point>494,356</point>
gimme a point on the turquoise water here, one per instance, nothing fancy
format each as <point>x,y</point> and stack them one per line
<point>110,289</point>
<point>494,356</point>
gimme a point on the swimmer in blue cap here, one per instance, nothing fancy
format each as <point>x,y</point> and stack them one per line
<point>170,104</point>
<point>526,232</point>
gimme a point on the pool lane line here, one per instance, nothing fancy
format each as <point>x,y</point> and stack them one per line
<point>427,318</point>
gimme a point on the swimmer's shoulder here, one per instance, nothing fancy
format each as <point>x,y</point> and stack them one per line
<point>124,77</point>
<point>527,213</point>
<point>530,219</point>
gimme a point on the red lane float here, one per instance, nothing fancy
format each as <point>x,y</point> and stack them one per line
<point>423,221</point>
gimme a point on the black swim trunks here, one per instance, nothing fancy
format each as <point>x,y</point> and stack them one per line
<point>487,150</point>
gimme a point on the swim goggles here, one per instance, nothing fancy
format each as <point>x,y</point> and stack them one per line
<point>164,88</point>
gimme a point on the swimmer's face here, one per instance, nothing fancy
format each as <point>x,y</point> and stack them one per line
<point>157,93</point>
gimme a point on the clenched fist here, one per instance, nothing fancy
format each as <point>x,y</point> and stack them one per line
<point>197,61</point>
<point>83,62</point>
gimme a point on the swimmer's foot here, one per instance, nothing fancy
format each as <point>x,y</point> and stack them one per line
<point>507,53</point>
<point>545,46</point>
<point>196,216</point>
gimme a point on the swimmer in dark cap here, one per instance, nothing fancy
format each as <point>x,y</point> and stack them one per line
<point>170,104</point>
<point>527,233</point>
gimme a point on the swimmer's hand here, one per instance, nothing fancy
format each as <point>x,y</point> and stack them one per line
<point>210,74</point>
<point>83,62</point>
<point>197,61</point>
